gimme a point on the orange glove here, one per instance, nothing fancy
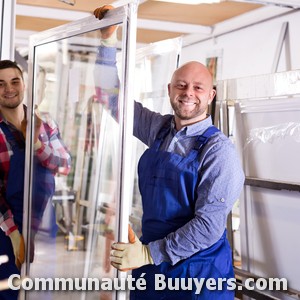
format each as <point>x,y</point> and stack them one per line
<point>99,13</point>
<point>17,241</point>
<point>132,255</point>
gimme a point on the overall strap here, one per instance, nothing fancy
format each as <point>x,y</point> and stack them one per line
<point>203,138</point>
<point>9,136</point>
<point>200,142</point>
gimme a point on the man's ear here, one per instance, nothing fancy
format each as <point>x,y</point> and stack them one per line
<point>212,95</point>
<point>169,86</point>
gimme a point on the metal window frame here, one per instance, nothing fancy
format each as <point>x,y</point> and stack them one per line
<point>126,15</point>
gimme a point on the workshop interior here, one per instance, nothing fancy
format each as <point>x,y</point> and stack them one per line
<point>252,50</point>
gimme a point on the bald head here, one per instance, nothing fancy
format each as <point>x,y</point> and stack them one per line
<point>194,68</point>
<point>190,91</point>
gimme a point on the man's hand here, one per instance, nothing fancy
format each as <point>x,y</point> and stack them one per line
<point>37,125</point>
<point>17,241</point>
<point>99,13</point>
<point>132,255</point>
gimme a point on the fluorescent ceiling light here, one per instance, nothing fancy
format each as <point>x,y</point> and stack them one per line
<point>194,2</point>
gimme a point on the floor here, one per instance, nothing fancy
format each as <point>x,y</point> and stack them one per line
<point>54,259</point>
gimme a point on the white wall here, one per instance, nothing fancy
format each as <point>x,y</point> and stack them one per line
<point>269,215</point>
<point>249,51</point>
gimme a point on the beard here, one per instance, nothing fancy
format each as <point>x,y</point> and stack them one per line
<point>187,113</point>
<point>10,104</point>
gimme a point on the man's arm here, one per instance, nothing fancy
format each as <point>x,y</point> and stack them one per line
<point>8,225</point>
<point>106,72</point>
<point>147,123</point>
<point>50,149</point>
<point>6,218</point>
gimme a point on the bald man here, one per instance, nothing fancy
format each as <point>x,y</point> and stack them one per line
<point>189,179</point>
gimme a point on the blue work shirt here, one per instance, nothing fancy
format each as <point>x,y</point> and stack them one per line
<point>221,181</point>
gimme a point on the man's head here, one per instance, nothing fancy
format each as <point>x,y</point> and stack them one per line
<point>11,85</point>
<point>190,91</point>
<point>5,64</point>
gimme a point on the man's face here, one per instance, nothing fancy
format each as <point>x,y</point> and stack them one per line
<point>11,88</point>
<point>190,93</point>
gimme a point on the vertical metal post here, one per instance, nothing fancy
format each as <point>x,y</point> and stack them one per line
<point>126,120</point>
<point>225,129</point>
<point>221,121</point>
<point>7,29</point>
<point>284,37</point>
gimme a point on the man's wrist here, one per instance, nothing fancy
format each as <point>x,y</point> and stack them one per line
<point>111,41</point>
<point>37,145</point>
<point>149,256</point>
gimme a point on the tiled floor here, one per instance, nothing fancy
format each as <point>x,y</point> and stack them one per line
<point>53,260</point>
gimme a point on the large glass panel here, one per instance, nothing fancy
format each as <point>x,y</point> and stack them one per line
<point>77,142</point>
<point>155,65</point>
<point>264,124</point>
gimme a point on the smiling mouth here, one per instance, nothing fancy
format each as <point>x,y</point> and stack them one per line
<point>187,103</point>
<point>10,96</point>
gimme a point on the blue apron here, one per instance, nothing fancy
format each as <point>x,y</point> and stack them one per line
<point>43,189</point>
<point>168,183</point>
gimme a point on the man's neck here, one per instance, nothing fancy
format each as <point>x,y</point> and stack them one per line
<point>14,115</point>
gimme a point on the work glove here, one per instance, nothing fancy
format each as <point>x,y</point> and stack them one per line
<point>17,241</point>
<point>132,255</point>
<point>37,125</point>
<point>107,33</point>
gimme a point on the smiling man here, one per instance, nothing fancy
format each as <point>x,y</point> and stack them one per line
<point>189,179</point>
<point>50,157</point>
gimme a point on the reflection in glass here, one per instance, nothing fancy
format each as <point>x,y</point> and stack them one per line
<point>155,65</point>
<point>73,204</point>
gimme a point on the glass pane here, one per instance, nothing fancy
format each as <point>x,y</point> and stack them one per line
<point>74,195</point>
<point>264,125</point>
<point>270,148</point>
<point>155,65</point>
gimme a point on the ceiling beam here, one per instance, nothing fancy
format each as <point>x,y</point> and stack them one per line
<point>71,15</point>
<point>238,22</point>
<point>173,26</point>
<point>282,3</point>
<point>118,3</point>
<point>49,13</point>
<point>249,18</point>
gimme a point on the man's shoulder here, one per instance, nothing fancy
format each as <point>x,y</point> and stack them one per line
<point>220,141</point>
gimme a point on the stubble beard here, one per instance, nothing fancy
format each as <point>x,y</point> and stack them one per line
<point>8,104</point>
<point>184,114</point>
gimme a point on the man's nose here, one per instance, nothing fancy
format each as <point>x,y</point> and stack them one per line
<point>8,87</point>
<point>189,91</point>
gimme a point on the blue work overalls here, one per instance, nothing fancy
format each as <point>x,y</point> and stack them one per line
<point>168,184</point>
<point>43,189</point>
